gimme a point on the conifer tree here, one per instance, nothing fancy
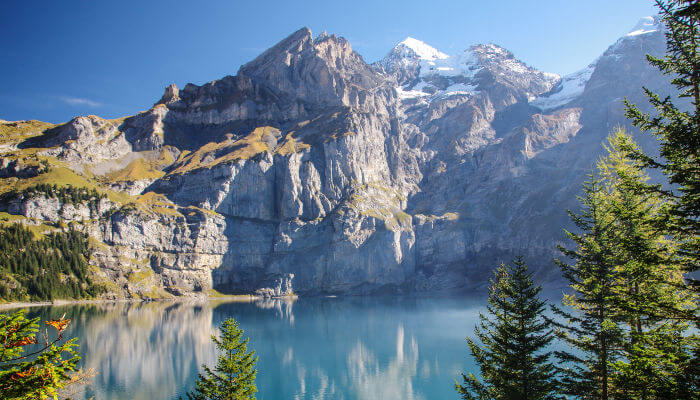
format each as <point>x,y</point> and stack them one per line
<point>677,125</point>
<point>512,358</point>
<point>34,374</point>
<point>233,378</point>
<point>651,292</point>
<point>630,329</point>
<point>593,332</point>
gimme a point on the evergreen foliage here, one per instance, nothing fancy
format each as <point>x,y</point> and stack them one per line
<point>53,267</point>
<point>628,291</point>
<point>593,333</point>
<point>651,292</point>
<point>233,378</point>
<point>677,126</point>
<point>28,372</point>
<point>513,360</point>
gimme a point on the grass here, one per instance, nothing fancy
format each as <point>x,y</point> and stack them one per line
<point>291,145</point>
<point>448,216</point>
<point>335,136</point>
<point>194,209</point>
<point>145,278</point>
<point>215,293</point>
<point>157,203</point>
<point>212,153</point>
<point>403,218</point>
<point>61,175</point>
<point>139,169</point>
<point>17,131</point>
<point>96,244</point>
<point>9,218</point>
<point>140,276</point>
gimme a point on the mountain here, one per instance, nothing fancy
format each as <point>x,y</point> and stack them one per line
<point>313,171</point>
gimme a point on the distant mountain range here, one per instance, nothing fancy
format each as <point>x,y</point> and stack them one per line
<point>313,171</point>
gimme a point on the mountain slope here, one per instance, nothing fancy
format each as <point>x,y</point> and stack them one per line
<point>311,170</point>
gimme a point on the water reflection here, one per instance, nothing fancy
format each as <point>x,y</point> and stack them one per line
<point>283,307</point>
<point>356,348</point>
<point>395,381</point>
<point>140,351</point>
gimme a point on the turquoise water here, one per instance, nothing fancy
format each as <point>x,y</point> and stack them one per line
<point>317,348</point>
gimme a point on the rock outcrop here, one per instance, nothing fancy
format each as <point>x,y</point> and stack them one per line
<point>420,172</point>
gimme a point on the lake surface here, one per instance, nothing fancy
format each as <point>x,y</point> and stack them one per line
<point>311,348</point>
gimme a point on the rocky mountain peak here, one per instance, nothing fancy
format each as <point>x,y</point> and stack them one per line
<point>295,43</point>
<point>171,95</point>
<point>316,70</point>
<point>299,48</point>
<point>349,177</point>
<point>411,49</point>
<point>404,59</point>
<point>646,25</point>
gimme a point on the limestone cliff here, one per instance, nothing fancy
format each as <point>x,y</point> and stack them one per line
<point>314,172</point>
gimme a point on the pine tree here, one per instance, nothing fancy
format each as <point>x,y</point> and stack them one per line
<point>233,378</point>
<point>677,126</point>
<point>629,291</point>
<point>651,292</point>
<point>513,361</point>
<point>593,332</point>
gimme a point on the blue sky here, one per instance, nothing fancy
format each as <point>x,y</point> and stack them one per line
<point>113,58</point>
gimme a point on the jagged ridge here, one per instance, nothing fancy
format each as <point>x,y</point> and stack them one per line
<point>310,170</point>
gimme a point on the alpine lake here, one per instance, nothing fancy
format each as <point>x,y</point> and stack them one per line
<point>307,348</point>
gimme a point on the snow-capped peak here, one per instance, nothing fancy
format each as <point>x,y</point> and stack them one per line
<point>646,25</point>
<point>420,49</point>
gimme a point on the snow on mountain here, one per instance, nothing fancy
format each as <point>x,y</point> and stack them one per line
<point>411,47</point>
<point>412,93</point>
<point>572,86</point>
<point>646,25</point>
<point>408,53</point>
<point>435,75</point>
<point>465,64</point>
<point>417,65</point>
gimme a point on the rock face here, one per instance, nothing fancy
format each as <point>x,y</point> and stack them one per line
<point>53,210</point>
<point>420,172</point>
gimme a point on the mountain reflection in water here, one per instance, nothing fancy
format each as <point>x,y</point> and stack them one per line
<point>320,348</point>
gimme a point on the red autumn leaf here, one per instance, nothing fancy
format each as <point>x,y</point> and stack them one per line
<point>22,374</point>
<point>59,324</point>
<point>23,342</point>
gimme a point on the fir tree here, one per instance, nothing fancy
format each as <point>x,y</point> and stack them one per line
<point>593,332</point>
<point>677,126</point>
<point>55,266</point>
<point>233,378</point>
<point>652,292</point>
<point>512,361</point>
<point>628,291</point>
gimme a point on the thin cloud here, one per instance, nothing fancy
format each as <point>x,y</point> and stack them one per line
<point>79,101</point>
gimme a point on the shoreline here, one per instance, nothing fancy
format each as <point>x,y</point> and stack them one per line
<point>237,298</point>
